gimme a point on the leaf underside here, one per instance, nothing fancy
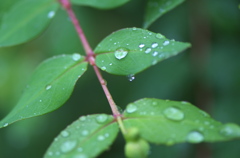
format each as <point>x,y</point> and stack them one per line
<point>24,20</point>
<point>130,51</point>
<point>100,4</point>
<point>87,137</point>
<point>170,122</point>
<point>50,86</point>
<point>156,8</point>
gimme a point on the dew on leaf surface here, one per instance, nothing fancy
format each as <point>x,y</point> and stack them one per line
<point>155,53</point>
<point>141,45</point>
<point>121,53</point>
<point>195,137</point>
<point>131,77</point>
<point>85,132</point>
<point>5,125</point>
<point>65,133</point>
<point>48,87</point>
<point>102,118</point>
<point>174,113</point>
<point>166,43</point>
<point>51,14</point>
<point>148,50</point>
<point>159,36</point>
<point>68,146</point>
<point>100,138</point>
<point>80,156</point>
<point>154,45</point>
<point>230,130</point>
<point>76,57</point>
<point>131,108</point>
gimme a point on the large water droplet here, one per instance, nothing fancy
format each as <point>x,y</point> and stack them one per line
<point>51,14</point>
<point>65,133</point>
<point>76,56</point>
<point>102,118</point>
<point>230,130</point>
<point>159,36</point>
<point>85,132</point>
<point>166,43</point>
<point>148,50</point>
<point>121,53</point>
<point>100,138</point>
<point>131,77</point>
<point>195,137</point>
<point>141,45</point>
<point>174,113</point>
<point>5,125</point>
<point>154,45</point>
<point>48,87</point>
<point>80,156</point>
<point>68,146</point>
<point>131,108</point>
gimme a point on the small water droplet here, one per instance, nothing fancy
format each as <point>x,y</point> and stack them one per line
<point>103,68</point>
<point>51,14</point>
<point>154,45</point>
<point>166,43</point>
<point>134,28</point>
<point>102,118</point>
<point>80,156</point>
<point>131,77</point>
<point>141,45</point>
<point>154,62</point>
<point>40,100</point>
<point>174,113</point>
<point>131,108</point>
<point>48,87</point>
<point>79,149</point>
<point>106,135</point>
<point>148,50</point>
<point>159,36</point>
<point>83,118</point>
<point>100,138</point>
<point>230,130</point>
<point>155,53</point>
<point>5,125</point>
<point>85,132</point>
<point>68,146</point>
<point>65,133</point>
<point>195,137</point>
<point>76,56</point>
<point>121,53</point>
<point>110,64</point>
<point>50,153</point>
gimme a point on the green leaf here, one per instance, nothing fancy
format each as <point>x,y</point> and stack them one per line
<point>156,8</point>
<point>100,4</point>
<point>170,122</point>
<point>50,86</point>
<point>25,19</point>
<point>132,50</point>
<point>87,137</point>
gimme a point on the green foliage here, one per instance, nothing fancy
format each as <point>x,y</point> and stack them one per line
<point>49,88</point>
<point>100,4</point>
<point>131,50</point>
<point>25,19</point>
<point>156,8</point>
<point>157,121</point>
<point>86,137</point>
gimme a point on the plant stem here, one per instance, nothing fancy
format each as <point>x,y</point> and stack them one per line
<point>90,56</point>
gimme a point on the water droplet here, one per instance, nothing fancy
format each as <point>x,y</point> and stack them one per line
<point>131,108</point>
<point>100,138</point>
<point>155,53</point>
<point>166,43</point>
<point>83,118</point>
<point>184,102</point>
<point>159,36</point>
<point>121,53</point>
<point>173,113</point>
<point>50,153</point>
<point>148,50</point>
<point>195,137</point>
<point>110,64</point>
<point>48,87</point>
<point>154,62</point>
<point>5,125</point>
<point>68,146</point>
<point>76,57</point>
<point>80,156</point>
<point>40,100</point>
<point>134,28</point>
<point>154,45</point>
<point>131,77</point>
<point>102,118</point>
<point>103,68</point>
<point>65,133</point>
<point>230,130</point>
<point>106,135</point>
<point>141,45</point>
<point>79,149</point>
<point>85,132</point>
<point>51,14</point>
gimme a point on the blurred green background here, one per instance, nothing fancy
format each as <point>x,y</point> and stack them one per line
<point>207,75</point>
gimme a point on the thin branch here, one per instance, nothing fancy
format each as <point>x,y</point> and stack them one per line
<point>90,56</point>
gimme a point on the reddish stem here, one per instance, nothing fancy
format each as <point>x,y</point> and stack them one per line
<point>90,55</point>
